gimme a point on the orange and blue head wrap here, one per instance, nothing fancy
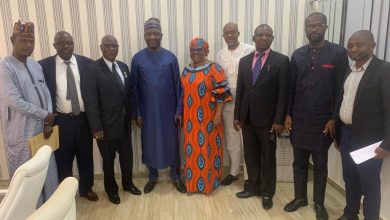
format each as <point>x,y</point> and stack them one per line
<point>197,41</point>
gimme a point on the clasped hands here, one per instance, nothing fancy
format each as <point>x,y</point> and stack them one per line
<point>48,125</point>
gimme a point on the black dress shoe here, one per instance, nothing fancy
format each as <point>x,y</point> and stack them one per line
<point>91,196</point>
<point>149,186</point>
<point>346,217</point>
<point>245,194</point>
<point>228,180</point>
<point>179,185</point>
<point>114,199</point>
<point>267,203</point>
<point>321,213</point>
<point>295,204</point>
<point>132,189</point>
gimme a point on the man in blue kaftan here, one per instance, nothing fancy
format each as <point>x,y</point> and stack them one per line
<point>156,78</point>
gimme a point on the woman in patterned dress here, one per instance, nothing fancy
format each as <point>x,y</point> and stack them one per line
<point>205,90</point>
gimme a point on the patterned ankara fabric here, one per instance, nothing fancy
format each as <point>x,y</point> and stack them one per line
<point>203,88</point>
<point>197,41</point>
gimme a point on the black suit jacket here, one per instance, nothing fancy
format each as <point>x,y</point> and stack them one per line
<point>49,70</point>
<point>108,104</point>
<point>264,103</point>
<point>371,109</point>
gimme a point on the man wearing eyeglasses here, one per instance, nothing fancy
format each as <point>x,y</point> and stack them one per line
<point>109,102</point>
<point>317,72</point>
<point>62,73</point>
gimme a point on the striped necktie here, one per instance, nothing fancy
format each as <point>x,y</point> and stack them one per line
<point>257,68</point>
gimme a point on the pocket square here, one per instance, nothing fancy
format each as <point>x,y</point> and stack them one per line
<point>328,66</point>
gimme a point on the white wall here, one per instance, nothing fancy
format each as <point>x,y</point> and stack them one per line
<point>369,15</point>
<point>89,20</point>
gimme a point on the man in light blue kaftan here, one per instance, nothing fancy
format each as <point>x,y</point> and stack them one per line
<point>25,104</point>
<point>156,78</point>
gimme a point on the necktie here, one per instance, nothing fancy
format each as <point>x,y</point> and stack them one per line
<point>71,93</point>
<point>116,75</point>
<point>257,68</point>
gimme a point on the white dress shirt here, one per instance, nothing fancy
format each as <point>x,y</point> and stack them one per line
<point>350,88</point>
<point>118,70</point>
<point>64,105</point>
<point>229,60</point>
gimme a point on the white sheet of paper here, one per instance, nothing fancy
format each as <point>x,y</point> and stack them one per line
<point>365,153</point>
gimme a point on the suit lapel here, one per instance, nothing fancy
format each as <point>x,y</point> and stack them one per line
<point>248,72</point>
<point>52,69</point>
<point>366,76</point>
<point>51,80</point>
<point>264,73</point>
<point>79,63</point>
<point>109,74</point>
<point>124,73</point>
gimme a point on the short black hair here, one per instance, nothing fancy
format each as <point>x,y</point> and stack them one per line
<point>317,14</point>
<point>365,33</point>
<point>265,26</point>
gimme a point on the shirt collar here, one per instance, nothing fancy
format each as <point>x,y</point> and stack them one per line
<point>317,50</point>
<point>364,67</point>
<point>72,60</point>
<point>109,63</point>
<point>265,53</point>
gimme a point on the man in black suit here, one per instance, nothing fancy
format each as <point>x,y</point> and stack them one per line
<point>74,132</point>
<point>109,103</point>
<point>260,108</point>
<point>364,104</point>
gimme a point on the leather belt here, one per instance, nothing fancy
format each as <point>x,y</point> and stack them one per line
<point>70,114</point>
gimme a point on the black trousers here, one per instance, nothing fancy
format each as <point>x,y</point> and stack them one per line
<point>75,140</point>
<point>301,167</point>
<point>260,160</point>
<point>360,180</point>
<point>108,150</point>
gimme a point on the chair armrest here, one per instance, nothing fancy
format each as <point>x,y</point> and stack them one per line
<point>3,191</point>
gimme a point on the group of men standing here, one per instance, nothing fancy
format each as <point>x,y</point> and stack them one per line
<point>315,96</point>
<point>318,99</point>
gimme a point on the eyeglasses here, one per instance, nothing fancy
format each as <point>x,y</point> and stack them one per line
<point>315,26</point>
<point>115,46</point>
<point>196,50</point>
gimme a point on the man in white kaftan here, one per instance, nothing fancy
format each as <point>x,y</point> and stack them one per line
<point>229,58</point>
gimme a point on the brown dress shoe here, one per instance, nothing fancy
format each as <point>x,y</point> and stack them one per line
<point>91,196</point>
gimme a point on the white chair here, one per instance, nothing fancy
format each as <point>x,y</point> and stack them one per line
<point>26,185</point>
<point>61,205</point>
